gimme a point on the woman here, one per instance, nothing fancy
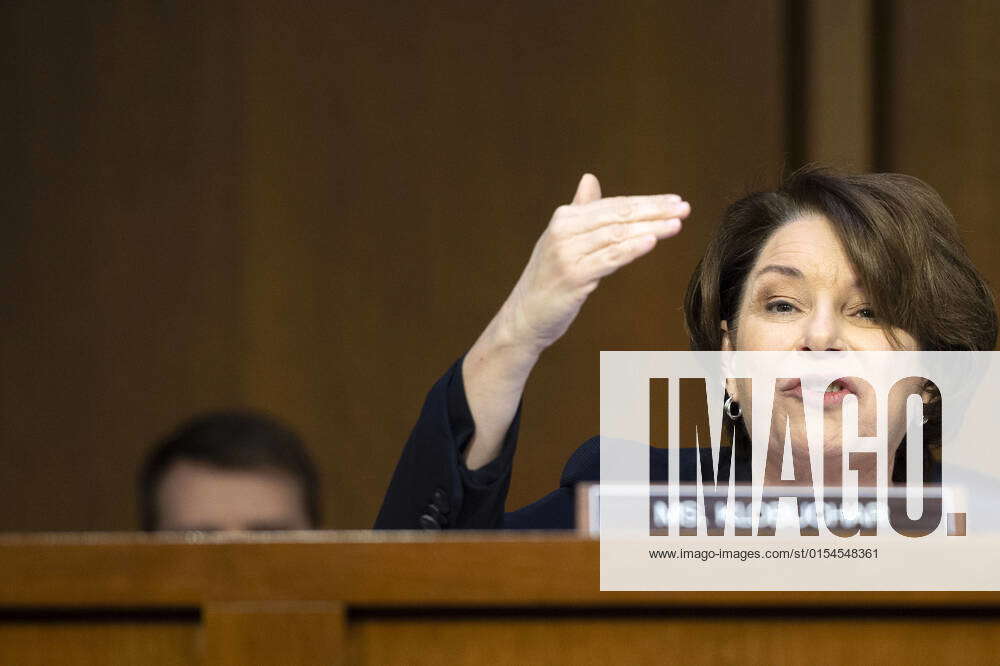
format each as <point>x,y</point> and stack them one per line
<point>825,262</point>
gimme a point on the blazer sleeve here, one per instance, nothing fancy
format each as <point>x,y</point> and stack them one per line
<point>557,510</point>
<point>431,487</point>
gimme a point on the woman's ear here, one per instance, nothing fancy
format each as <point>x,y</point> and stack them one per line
<point>727,346</point>
<point>727,343</point>
<point>930,393</point>
<point>732,389</point>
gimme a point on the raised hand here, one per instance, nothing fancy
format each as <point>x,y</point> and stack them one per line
<point>584,242</point>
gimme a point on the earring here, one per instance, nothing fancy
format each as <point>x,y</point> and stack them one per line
<point>728,407</point>
<point>925,420</point>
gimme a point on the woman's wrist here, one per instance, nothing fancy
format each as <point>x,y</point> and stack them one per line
<point>494,373</point>
<point>502,348</point>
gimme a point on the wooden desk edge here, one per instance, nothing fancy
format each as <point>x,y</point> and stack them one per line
<point>365,570</point>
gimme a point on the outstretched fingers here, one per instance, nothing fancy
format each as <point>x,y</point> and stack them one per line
<point>610,234</point>
<point>593,237</point>
<point>607,260</point>
<point>579,218</point>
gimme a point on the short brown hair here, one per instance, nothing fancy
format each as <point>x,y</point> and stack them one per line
<point>897,233</point>
<point>241,440</point>
<point>904,246</point>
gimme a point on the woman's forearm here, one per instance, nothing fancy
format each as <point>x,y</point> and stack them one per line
<point>494,372</point>
<point>584,242</point>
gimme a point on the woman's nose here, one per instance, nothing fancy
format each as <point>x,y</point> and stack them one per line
<point>821,331</point>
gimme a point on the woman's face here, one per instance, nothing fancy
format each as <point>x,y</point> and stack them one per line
<point>802,294</point>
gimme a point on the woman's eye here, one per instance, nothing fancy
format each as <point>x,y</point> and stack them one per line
<point>780,307</point>
<point>866,313</point>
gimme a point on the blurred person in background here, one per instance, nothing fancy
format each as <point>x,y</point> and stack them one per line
<point>226,471</point>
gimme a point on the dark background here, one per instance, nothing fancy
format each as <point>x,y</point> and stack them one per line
<point>314,208</point>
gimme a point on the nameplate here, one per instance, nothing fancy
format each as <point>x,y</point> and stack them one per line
<point>731,511</point>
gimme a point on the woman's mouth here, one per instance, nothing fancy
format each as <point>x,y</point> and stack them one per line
<point>834,394</point>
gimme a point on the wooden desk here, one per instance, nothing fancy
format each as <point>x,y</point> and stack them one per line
<point>415,598</point>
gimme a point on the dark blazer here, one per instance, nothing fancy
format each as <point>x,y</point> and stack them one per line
<point>432,489</point>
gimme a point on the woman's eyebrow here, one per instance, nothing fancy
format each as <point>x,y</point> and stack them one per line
<point>788,271</point>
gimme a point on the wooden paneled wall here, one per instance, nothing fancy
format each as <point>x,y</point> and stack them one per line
<point>942,113</point>
<point>124,255</point>
<point>314,208</point>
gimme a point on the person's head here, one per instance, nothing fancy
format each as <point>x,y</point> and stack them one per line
<point>841,262</point>
<point>236,470</point>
